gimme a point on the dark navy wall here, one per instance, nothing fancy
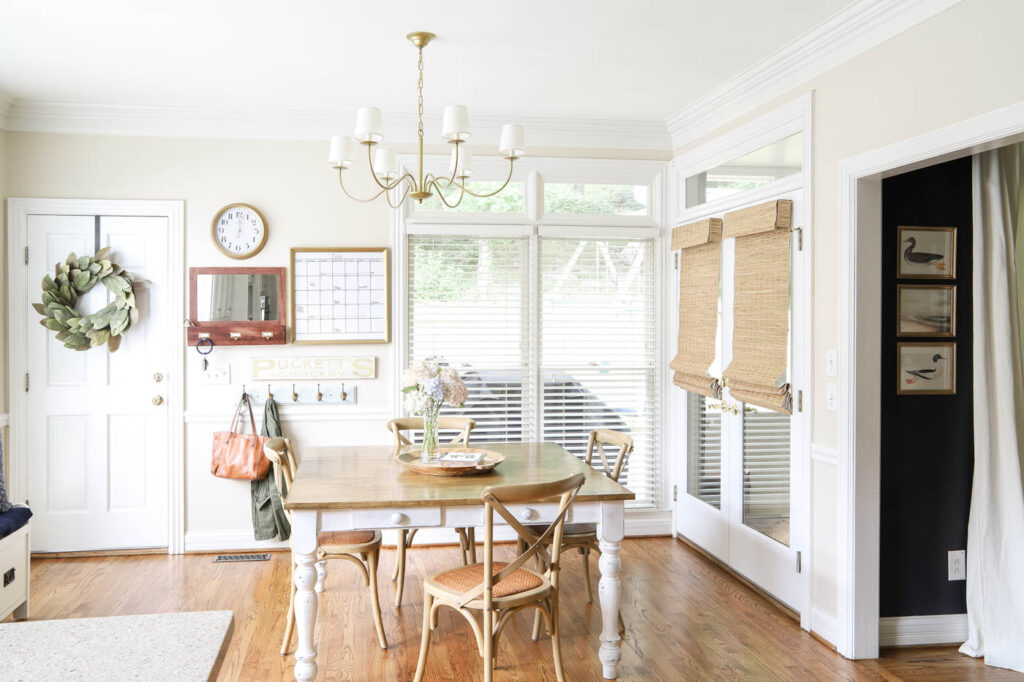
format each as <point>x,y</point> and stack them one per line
<point>927,441</point>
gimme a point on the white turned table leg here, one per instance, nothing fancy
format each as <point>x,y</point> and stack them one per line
<point>610,531</point>
<point>304,530</point>
<point>321,574</point>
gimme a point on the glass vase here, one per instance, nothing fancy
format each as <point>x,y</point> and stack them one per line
<point>430,451</point>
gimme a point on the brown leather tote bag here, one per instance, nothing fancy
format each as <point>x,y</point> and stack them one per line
<point>238,455</point>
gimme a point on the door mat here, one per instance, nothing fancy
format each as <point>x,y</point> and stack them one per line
<point>221,558</point>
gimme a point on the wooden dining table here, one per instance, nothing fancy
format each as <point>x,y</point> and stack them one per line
<point>365,487</point>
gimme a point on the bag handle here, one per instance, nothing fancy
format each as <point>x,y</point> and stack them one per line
<point>238,412</point>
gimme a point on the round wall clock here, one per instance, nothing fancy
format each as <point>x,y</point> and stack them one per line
<point>239,231</point>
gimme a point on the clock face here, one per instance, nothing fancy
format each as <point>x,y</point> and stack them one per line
<point>239,231</point>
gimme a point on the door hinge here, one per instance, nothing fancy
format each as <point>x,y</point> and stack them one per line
<point>799,401</point>
<point>26,255</point>
<point>675,260</point>
<point>26,382</point>
<point>799,238</point>
<point>675,493</point>
<point>799,562</point>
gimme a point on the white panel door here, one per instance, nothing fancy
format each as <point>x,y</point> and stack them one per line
<point>97,442</point>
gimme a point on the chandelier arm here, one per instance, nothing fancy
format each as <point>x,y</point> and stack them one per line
<point>440,195</point>
<point>341,182</point>
<point>449,181</point>
<point>408,186</point>
<point>511,163</point>
<point>384,186</point>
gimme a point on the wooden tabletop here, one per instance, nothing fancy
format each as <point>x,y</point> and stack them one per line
<point>369,476</point>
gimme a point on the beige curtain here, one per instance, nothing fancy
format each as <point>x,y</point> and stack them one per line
<point>757,372</point>
<point>701,248</point>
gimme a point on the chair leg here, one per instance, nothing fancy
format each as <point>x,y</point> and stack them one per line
<point>556,645</point>
<point>463,545</point>
<point>400,569</point>
<point>289,621</point>
<point>372,560</point>
<point>399,552</point>
<point>471,540</point>
<point>585,551</point>
<point>421,664</point>
<point>488,646</point>
<point>536,626</point>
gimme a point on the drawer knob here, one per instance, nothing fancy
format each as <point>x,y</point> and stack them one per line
<point>398,518</point>
<point>528,514</point>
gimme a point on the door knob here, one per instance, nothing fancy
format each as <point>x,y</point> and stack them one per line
<point>158,400</point>
<point>158,377</point>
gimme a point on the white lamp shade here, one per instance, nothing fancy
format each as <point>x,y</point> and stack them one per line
<point>455,125</point>
<point>368,125</point>
<point>385,164</point>
<point>465,168</point>
<point>513,140</point>
<point>342,152</point>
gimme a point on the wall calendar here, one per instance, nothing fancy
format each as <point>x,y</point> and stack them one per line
<point>340,295</point>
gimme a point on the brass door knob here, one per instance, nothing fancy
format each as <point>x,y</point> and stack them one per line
<point>158,400</point>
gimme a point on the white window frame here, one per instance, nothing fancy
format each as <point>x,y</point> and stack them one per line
<point>534,224</point>
<point>793,117</point>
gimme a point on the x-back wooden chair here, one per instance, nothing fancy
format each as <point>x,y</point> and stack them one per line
<point>583,536</point>
<point>467,536</point>
<point>499,590</point>
<point>361,547</point>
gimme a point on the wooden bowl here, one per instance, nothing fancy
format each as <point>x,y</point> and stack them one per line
<point>410,457</point>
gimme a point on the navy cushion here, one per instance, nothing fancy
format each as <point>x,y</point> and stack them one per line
<point>14,519</point>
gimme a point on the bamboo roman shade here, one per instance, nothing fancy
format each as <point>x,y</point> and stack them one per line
<point>701,244</point>
<point>757,372</point>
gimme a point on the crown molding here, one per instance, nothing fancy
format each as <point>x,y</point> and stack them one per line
<point>854,30</point>
<point>313,124</point>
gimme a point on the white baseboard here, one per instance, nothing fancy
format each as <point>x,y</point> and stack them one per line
<point>823,624</point>
<point>637,524</point>
<point>914,630</point>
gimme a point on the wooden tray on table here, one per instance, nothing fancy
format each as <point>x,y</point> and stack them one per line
<point>410,458</point>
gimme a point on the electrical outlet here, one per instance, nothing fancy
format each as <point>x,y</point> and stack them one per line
<point>958,564</point>
<point>832,396</point>
<point>831,363</point>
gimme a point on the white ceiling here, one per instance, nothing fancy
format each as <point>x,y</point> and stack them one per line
<point>635,59</point>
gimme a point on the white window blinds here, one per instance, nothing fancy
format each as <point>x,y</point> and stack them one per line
<point>468,304</point>
<point>598,349</point>
<point>551,361</point>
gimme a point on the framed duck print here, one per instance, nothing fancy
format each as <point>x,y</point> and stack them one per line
<point>926,310</point>
<point>927,253</point>
<point>926,368</point>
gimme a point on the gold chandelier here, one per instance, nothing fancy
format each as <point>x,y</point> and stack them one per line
<point>384,164</point>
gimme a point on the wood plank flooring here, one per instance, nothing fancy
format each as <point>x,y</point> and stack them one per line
<point>686,619</point>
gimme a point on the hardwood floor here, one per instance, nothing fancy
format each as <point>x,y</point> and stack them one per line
<point>686,620</point>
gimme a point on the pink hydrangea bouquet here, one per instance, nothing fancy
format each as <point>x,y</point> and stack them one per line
<point>428,386</point>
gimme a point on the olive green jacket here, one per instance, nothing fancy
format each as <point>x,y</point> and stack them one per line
<point>268,517</point>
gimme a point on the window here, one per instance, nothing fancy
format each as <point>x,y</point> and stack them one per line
<point>554,328</point>
<point>509,200</point>
<point>704,466</point>
<point>772,162</point>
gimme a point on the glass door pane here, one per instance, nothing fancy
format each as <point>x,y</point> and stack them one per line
<point>704,465</point>
<point>766,466</point>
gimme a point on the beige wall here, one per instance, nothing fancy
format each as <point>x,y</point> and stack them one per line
<point>958,64</point>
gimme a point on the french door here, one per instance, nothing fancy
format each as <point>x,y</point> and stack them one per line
<point>736,493</point>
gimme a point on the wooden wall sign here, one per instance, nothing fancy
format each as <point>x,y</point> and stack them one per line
<point>322,368</point>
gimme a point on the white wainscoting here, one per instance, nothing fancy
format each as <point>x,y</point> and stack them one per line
<point>916,630</point>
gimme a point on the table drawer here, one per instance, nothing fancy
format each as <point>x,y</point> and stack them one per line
<point>531,513</point>
<point>412,517</point>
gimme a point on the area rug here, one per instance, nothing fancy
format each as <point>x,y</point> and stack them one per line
<point>161,646</point>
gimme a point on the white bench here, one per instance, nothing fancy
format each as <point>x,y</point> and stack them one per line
<point>14,574</point>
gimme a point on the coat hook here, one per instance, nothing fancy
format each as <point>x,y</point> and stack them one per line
<point>245,395</point>
<point>319,395</point>
<point>270,394</point>
<point>295,396</point>
<point>344,396</point>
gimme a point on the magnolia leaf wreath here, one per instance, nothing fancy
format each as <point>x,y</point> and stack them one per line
<point>76,276</point>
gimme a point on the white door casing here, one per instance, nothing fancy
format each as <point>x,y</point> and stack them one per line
<point>98,461</point>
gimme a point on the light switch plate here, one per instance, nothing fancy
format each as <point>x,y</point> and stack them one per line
<point>216,374</point>
<point>958,564</point>
<point>831,362</point>
<point>832,396</point>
